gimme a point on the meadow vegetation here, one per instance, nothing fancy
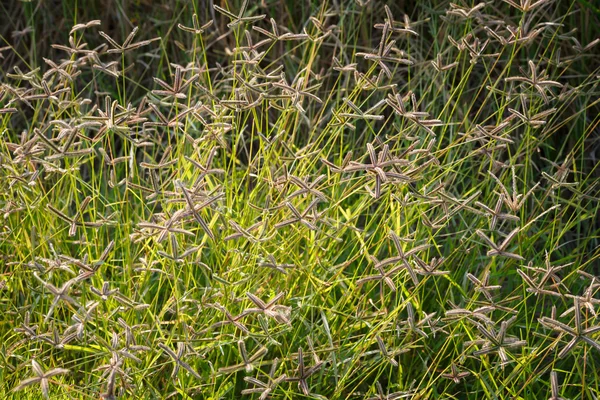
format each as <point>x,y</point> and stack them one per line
<point>282,199</point>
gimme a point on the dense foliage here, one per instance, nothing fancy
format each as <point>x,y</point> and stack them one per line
<point>284,200</point>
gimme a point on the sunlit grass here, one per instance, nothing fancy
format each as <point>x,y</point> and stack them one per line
<point>342,201</point>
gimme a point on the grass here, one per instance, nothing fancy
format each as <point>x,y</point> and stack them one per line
<point>346,201</point>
